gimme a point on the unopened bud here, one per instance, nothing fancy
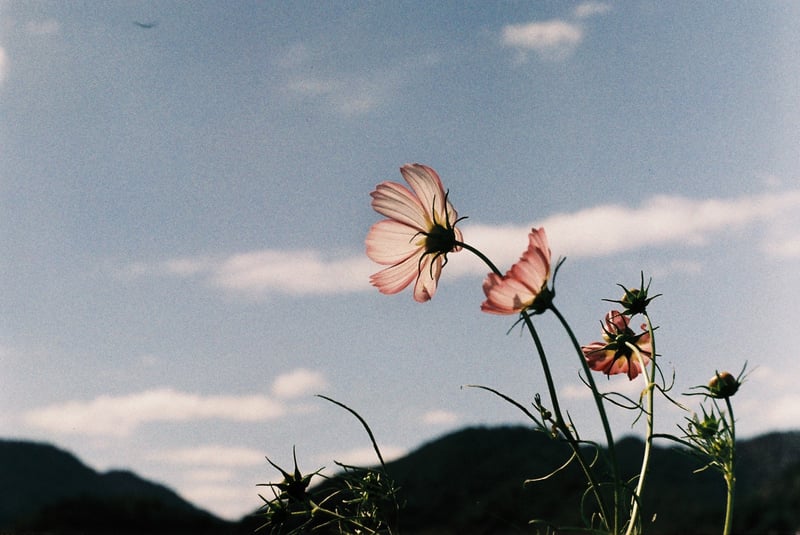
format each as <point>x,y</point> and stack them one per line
<point>723,385</point>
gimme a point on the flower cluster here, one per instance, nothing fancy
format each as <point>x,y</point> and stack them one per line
<point>413,243</point>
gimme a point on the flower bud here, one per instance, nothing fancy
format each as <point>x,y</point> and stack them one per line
<point>723,385</point>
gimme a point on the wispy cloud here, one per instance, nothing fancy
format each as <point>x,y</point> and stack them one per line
<point>440,417</point>
<point>554,39</point>
<point>590,9</point>
<point>307,75</point>
<point>611,229</point>
<point>599,231</point>
<point>298,383</point>
<point>121,415</point>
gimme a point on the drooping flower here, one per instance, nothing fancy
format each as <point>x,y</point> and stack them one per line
<point>614,353</point>
<point>418,234</point>
<point>524,286</point>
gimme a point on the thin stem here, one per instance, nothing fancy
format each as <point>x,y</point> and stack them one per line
<point>598,399</point>
<point>730,472</point>
<point>637,498</point>
<point>560,422</point>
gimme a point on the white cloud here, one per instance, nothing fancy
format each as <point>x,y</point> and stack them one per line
<point>292,272</point>
<point>439,417</point>
<point>211,455</point>
<point>553,39</point>
<point>599,231</point>
<point>297,383</point>
<point>784,247</point>
<point>590,9</point>
<point>121,415</point>
<point>608,230</point>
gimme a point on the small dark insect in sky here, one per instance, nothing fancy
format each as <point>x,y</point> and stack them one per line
<point>145,25</point>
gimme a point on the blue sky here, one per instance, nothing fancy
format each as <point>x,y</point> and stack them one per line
<point>184,209</point>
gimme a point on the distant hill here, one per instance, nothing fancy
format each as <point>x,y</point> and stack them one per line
<point>471,482</point>
<point>467,482</point>
<point>45,489</point>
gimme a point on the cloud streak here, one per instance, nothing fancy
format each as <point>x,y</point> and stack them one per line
<point>121,415</point>
<point>600,231</point>
<point>554,39</point>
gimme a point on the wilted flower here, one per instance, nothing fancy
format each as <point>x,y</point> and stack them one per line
<point>524,286</point>
<point>614,353</point>
<point>418,234</point>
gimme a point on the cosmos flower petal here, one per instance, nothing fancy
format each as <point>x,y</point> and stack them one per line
<point>417,236</point>
<point>505,296</point>
<point>613,355</point>
<point>396,202</point>
<point>428,278</point>
<point>523,283</point>
<point>394,279</point>
<point>428,187</point>
<point>390,242</point>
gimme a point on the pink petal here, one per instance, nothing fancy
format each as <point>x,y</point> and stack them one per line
<point>429,272</point>
<point>389,242</point>
<point>396,202</point>
<point>505,295</point>
<point>428,187</point>
<point>393,279</point>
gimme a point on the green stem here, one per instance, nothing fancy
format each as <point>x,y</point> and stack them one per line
<point>481,256</point>
<point>637,497</point>
<point>598,399</point>
<point>730,472</point>
<point>561,422</point>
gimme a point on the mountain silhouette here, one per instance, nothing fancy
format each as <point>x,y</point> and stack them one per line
<point>46,489</point>
<point>467,482</point>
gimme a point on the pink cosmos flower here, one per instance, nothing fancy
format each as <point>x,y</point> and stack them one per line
<point>525,285</point>
<point>416,238</point>
<point>612,355</point>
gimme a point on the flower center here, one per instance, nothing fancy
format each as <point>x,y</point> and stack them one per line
<point>440,240</point>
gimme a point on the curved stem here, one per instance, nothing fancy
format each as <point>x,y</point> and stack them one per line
<point>637,498</point>
<point>480,255</point>
<point>560,422</point>
<point>598,399</point>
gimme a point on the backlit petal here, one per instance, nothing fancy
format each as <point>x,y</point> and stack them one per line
<point>389,242</point>
<point>393,279</point>
<point>396,202</point>
<point>428,187</point>
<point>428,278</point>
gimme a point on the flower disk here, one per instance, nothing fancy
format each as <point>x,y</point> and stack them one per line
<point>525,285</point>
<point>416,237</point>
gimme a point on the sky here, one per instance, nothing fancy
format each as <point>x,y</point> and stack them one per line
<point>184,208</point>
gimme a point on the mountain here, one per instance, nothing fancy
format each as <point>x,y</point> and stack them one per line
<point>472,482</point>
<point>45,489</point>
<point>467,482</point>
